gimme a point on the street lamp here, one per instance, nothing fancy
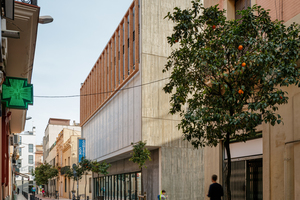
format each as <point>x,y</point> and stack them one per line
<point>28,118</point>
<point>45,19</point>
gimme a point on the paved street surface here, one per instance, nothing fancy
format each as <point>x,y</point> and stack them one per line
<point>21,197</point>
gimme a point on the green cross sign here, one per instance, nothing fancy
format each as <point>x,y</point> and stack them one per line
<point>17,93</point>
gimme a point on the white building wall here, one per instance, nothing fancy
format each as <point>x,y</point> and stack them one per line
<point>26,139</point>
<point>114,127</point>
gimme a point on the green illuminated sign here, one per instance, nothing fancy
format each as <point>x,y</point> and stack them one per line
<point>17,93</point>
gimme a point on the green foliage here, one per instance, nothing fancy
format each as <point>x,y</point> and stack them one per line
<point>43,173</point>
<point>85,165</point>
<point>100,168</point>
<point>140,154</point>
<point>216,96</point>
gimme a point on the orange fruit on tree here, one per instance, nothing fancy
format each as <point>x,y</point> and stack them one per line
<point>214,26</point>
<point>280,97</point>
<point>243,64</point>
<point>241,91</point>
<point>240,47</point>
<point>176,41</point>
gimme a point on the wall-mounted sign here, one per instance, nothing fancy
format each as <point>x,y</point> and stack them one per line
<point>17,93</point>
<point>81,149</point>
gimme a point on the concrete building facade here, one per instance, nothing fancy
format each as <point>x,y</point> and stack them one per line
<point>130,106</point>
<point>265,167</point>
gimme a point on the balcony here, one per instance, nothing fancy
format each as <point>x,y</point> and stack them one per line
<point>32,2</point>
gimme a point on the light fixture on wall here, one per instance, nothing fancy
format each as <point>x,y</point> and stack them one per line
<point>45,19</point>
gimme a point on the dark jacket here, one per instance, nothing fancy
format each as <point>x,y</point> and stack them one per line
<point>215,191</point>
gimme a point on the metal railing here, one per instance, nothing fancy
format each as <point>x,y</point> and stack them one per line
<point>32,2</point>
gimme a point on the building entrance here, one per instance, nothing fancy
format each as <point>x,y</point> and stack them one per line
<point>246,179</point>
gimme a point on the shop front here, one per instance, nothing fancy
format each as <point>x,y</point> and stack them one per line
<point>120,186</point>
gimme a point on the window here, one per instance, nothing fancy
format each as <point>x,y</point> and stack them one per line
<point>30,159</point>
<point>19,163</point>
<point>90,185</point>
<point>20,151</point>
<point>241,5</point>
<point>69,161</point>
<point>120,186</point>
<point>30,148</point>
<point>30,169</point>
<point>20,142</point>
<point>66,184</point>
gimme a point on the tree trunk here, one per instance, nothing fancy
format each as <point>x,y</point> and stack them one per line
<point>227,182</point>
<point>73,183</point>
<point>142,184</point>
<point>85,186</point>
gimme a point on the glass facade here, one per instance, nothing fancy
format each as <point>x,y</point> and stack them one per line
<point>118,187</point>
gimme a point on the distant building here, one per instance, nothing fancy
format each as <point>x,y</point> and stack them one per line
<point>38,155</point>
<point>26,161</point>
<point>67,155</point>
<point>54,127</point>
<point>50,154</point>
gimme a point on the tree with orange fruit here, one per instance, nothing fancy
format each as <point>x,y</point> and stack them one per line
<point>229,76</point>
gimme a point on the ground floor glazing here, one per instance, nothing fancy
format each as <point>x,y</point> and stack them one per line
<point>118,187</point>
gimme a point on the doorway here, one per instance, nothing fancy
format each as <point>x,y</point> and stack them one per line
<point>246,179</point>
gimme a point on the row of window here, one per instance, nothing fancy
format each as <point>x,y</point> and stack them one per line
<point>120,186</point>
<point>30,149</point>
<point>19,165</point>
<point>30,161</point>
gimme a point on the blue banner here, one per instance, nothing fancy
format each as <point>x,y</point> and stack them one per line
<point>81,149</point>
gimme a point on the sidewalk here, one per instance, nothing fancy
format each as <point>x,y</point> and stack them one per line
<point>20,197</point>
<point>45,198</point>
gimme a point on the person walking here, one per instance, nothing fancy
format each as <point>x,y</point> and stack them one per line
<point>162,195</point>
<point>215,191</point>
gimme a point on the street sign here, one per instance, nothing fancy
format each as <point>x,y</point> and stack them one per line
<point>17,93</point>
<point>81,149</point>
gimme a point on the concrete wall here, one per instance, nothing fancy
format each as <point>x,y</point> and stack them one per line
<point>181,172</point>
<point>115,125</point>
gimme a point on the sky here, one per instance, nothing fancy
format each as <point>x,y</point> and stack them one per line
<point>66,51</point>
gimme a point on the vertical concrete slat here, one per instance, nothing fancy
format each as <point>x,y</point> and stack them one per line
<point>102,79</point>
<point>113,43</point>
<point>93,89</point>
<point>137,51</point>
<point>117,59</point>
<point>131,40</point>
<point>98,83</point>
<point>126,45</point>
<point>121,52</point>
<point>109,68</point>
<point>105,74</point>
